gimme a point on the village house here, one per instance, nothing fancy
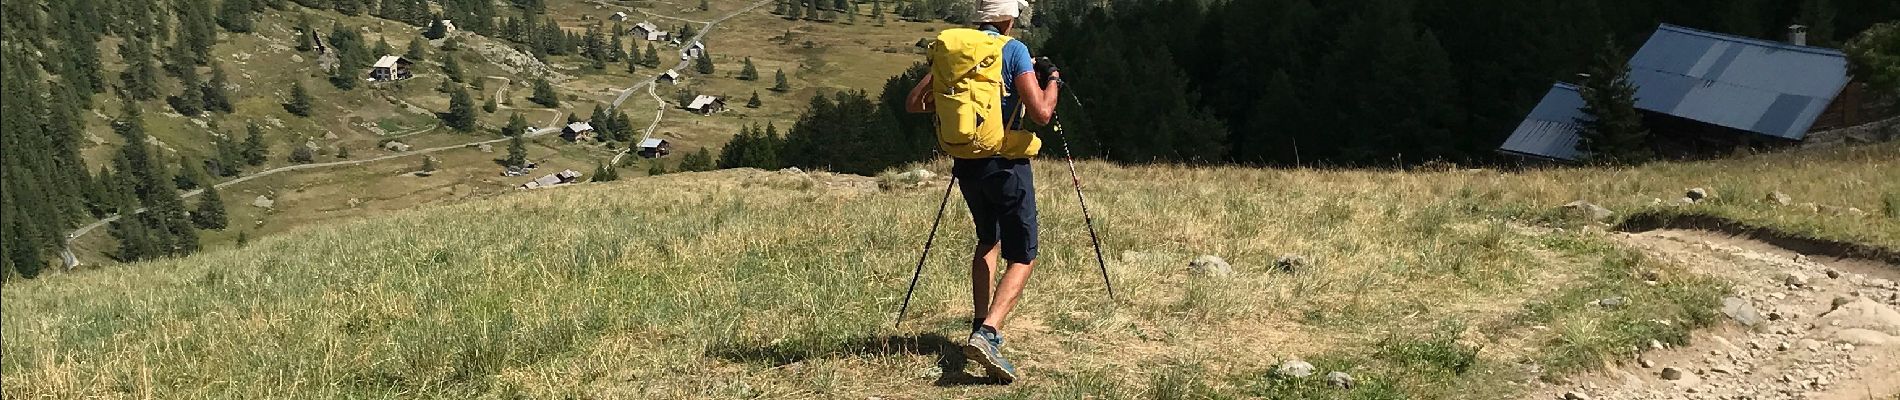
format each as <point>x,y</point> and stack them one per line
<point>618,16</point>
<point>707,105</point>
<point>655,148</point>
<point>554,179</point>
<point>448,26</point>
<point>695,51</point>
<point>670,76</point>
<point>1708,94</point>
<point>648,31</point>
<point>390,68</point>
<point>578,131</point>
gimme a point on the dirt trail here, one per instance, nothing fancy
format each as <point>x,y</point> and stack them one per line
<point>1795,326</point>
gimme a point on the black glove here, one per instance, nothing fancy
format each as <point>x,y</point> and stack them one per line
<point>1045,68</point>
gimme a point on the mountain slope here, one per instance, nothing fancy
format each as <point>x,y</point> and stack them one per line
<point>747,284</point>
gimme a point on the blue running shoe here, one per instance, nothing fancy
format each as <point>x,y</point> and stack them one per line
<point>986,347</point>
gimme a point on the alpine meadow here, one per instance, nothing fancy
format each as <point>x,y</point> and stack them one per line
<point>818,199</point>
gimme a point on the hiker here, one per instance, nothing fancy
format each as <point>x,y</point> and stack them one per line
<point>992,152</point>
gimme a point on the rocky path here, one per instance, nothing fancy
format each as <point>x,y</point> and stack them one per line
<point>1795,326</point>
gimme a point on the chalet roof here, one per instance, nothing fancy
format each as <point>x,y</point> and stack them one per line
<point>579,127</point>
<point>651,143</point>
<point>703,101</point>
<point>390,62</point>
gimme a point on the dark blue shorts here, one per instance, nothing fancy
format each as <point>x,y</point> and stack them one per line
<point>1002,197</point>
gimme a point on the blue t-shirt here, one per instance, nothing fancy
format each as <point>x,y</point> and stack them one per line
<point>1016,61</point>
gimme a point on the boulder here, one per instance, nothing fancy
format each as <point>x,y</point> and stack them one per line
<point>1863,313</point>
<point>396,146</point>
<point>1208,265</point>
<point>263,202</point>
<point>1588,210</point>
<point>1340,379</point>
<point>1698,194</point>
<point>1741,311</point>
<point>1795,279</point>
<point>1294,368</point>
<point>486,148</point>
<point>1671,374</point>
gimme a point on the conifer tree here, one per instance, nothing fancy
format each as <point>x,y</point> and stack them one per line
<point>703,64</point>
<point>516,125</point>
<point>217,95</point>
<point>1613,131</point>
<point>190,100</point>
<point>140,77</point>
<point>461,114</point>
<point>749,72</point>
<point>254,151</point>
<point>782,86</point>
<point>517,152</point>
<point>436,30</point>
<point>605,173</point>
<point>416,51</point>
<point>452,67</point>
<point>299,103</point>
<point>235,15</point>
<point>428,164</point>
<point>754,102</point>
<point>210,211</point>
<point>652,58</point>
<point>655,167</point>
<point>544,94</point>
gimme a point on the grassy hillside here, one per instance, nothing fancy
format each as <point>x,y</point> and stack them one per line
<point>263,64</point>
<point>750,284</point>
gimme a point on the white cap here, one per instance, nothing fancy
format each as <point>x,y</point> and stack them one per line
<point>1000,10</point>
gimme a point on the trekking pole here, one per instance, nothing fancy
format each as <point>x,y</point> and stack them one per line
<point>1076,177</point>
<point>928,242</point>
<point>1087,219</point>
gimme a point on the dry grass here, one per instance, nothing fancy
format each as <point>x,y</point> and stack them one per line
<point>748,284</point>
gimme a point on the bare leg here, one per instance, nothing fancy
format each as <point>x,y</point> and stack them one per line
<point>982,276</point>
<point>1006,293</point>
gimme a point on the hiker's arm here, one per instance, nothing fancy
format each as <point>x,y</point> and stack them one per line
<point>1040,101</point>
<point>919,100</point>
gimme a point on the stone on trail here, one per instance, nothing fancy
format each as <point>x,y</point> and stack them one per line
<point>1795,279</point>
<point>1741,311</point>
<point>1591,211</point>
<point>1671,373</point>
<point>1294,368</point>
<point>1340,379</point>
<point>1208,265</point>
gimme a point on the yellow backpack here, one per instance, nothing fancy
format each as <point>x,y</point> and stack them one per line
<point>967,88</point>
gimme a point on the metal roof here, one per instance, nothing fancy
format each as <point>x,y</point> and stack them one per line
<point>1755,85</point>
<point>651,143</point>
<point>579,127</point>
<point>1766,87</point>
<point>1551,131</point>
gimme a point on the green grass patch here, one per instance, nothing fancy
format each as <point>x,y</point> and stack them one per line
<point>1584,335</point>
